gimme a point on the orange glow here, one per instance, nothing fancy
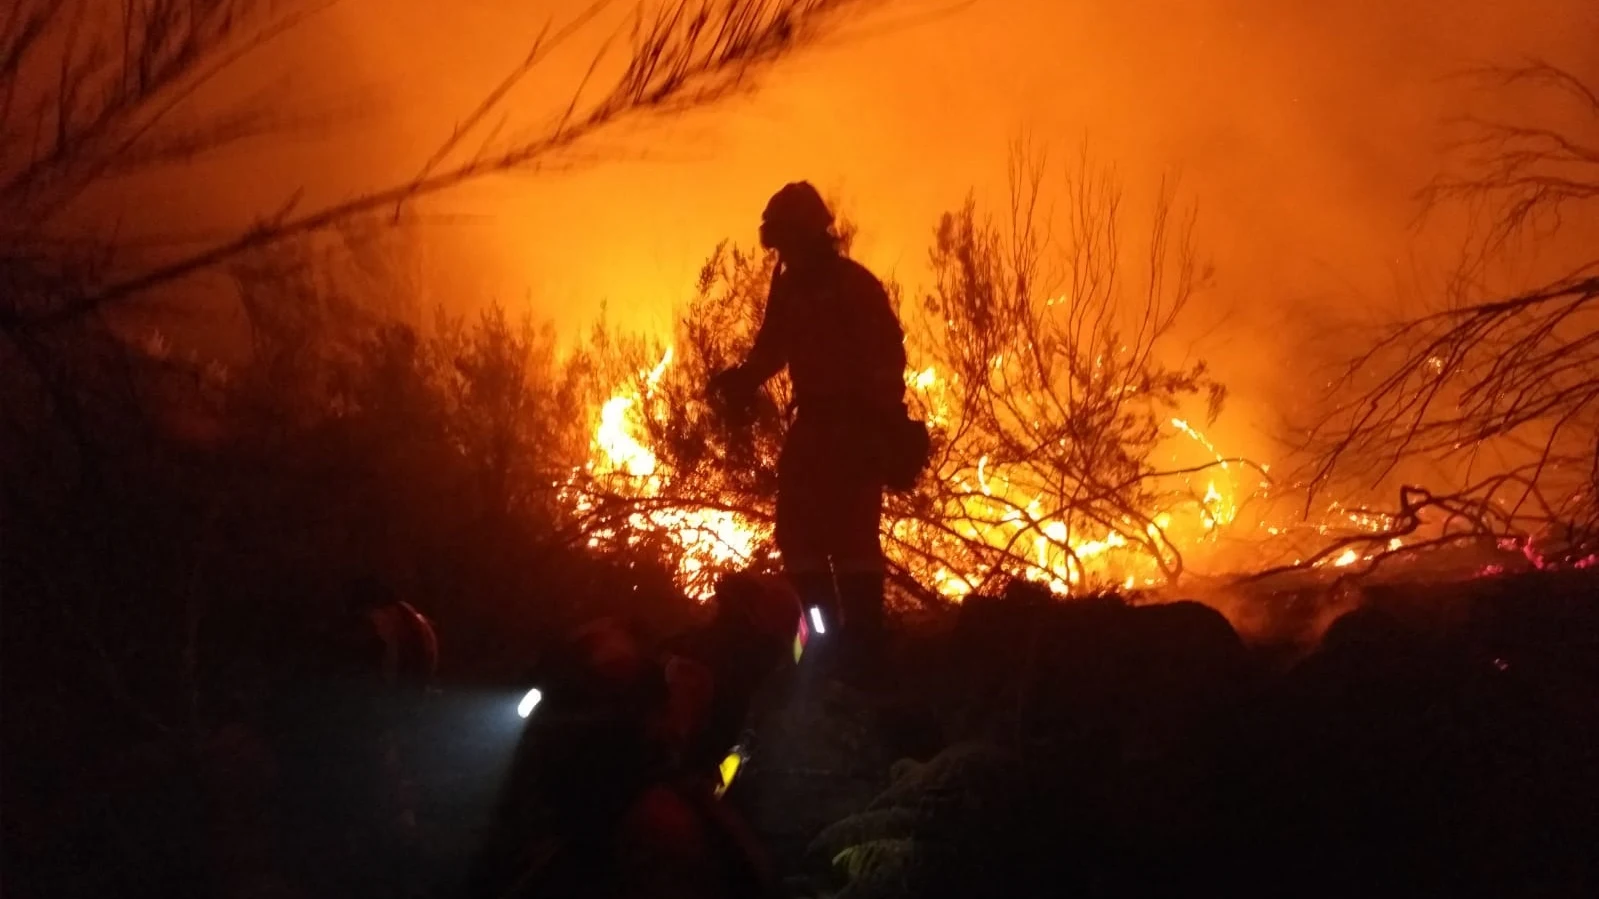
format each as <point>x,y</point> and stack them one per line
<point>1303,166</point>
<point>1300,136</point>
<point>705,541</point>
<point>985,505</point>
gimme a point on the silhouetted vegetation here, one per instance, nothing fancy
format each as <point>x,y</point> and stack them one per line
<point>1502,383</point>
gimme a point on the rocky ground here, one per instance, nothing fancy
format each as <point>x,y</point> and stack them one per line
<point>1423,740</point>
<point>1435,740</point>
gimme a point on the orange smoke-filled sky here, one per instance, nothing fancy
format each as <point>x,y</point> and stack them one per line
<point>1302,130</point>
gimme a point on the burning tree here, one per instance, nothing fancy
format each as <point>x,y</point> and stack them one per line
<point>1042,371</point>
<point>1504,386</point>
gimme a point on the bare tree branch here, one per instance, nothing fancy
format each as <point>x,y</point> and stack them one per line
<point>690,53</point>
<point>1514,379</point>
<point>1521,178</point>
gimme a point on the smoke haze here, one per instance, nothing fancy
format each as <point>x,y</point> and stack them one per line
<point>1302,131</point>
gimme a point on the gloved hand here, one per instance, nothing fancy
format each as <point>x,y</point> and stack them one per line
<point>733,397</point>
<point>730,387</point>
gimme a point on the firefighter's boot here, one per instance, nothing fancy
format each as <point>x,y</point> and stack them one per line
<point>864,637</point>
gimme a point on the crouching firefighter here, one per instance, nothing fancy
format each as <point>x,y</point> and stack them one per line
<point>748,641</point>
<point>832,324</point>
<point>598,803</point>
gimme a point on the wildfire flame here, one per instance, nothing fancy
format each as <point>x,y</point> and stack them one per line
<point>705,540</point>
<point>995,512</point>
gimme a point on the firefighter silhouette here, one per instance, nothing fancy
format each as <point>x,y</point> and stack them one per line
<point>831,323</point>
<point>599,784</point>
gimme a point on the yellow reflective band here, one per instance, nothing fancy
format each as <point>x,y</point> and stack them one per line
<point>729,769</point>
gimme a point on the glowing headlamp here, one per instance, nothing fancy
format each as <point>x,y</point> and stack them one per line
<point>530,701</point>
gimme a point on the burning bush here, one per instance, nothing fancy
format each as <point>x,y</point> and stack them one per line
<point>667,473</point>
<point>1045,374</point>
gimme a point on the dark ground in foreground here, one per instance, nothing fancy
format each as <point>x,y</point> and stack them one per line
<point>1437,741</point>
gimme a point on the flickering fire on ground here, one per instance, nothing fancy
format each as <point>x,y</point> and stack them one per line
<point>982,505</point>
